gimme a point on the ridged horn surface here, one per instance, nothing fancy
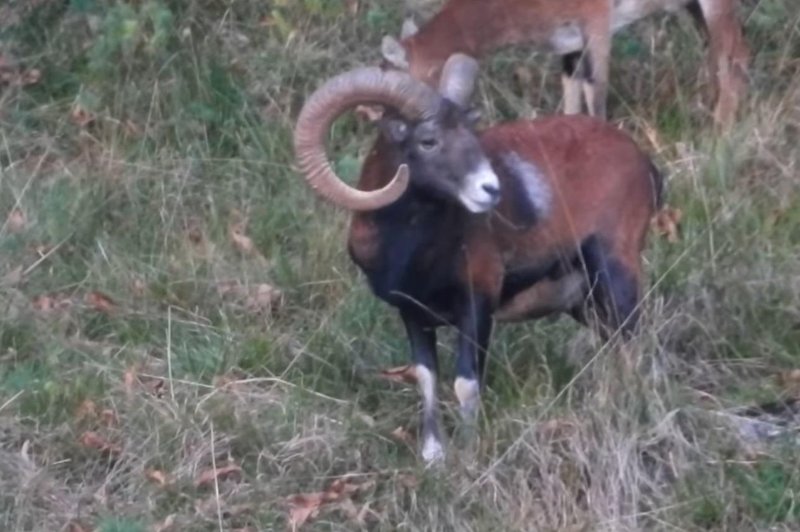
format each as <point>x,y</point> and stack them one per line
<point>412,99</point>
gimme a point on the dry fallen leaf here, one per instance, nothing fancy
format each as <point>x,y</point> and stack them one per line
<point>86,410</point>
<point>75,526</point>
<point>129,379</point>
<point>100,302</point>
<point>263,298</point>
<point>240,240</point>
<point>157,477</point>
<point>109,417</point>
<point>553,428</point>
<point>352,6</point>
<point>220,474</point>
<point>403,436</point>
<point>30,77</point>
<point>303,507</point>
<point>166,525</point>
<point>80,116</point>
<point>138,287</point>
<point>408,480</point>
<point>406,374</point>
<point>666,222</point>
<point>790,381</point>
<point>16,221</point>
<point>45,303</point>
<point>524,75</point>
<point>93,440</point>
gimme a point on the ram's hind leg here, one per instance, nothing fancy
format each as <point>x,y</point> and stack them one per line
<point>573,77</point>
<point>614,283</point>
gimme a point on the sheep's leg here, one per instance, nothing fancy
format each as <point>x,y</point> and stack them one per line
<point>595,88</point>
<point>573,77</point>
<point>475,328</point>
<point>423,351</point>
<point>614,286</point>
<point>728,55</point>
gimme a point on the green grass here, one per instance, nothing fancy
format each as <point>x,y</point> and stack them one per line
<point>191,108</point>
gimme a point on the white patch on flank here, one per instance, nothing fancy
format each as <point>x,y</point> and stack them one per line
<point>432,451</point>
<point>567,38</point>
<point>473,194</point>
<point>532,180</point>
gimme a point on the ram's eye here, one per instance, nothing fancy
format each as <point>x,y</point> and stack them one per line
<point>428,144</point>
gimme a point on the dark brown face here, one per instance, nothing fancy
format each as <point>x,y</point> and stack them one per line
<point>445,157</point>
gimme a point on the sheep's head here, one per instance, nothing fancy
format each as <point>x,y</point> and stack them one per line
<point>432,131</point>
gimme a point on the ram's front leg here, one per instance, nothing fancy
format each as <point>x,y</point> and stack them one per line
<point>423,351</point>
<point>475,328</point>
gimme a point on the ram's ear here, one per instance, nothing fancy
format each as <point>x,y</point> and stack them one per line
<point>408,29</point>
<point>394,129</point>
<point>394,53</point>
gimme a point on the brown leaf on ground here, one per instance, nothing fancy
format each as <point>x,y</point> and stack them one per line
<point>86,410</point>
<point>790,381</point>
<point>93,440</point>
<point>109,417</point>
<point>81,116</point>
<point>46,303</point>
<point>30,77</point>
<point>352,6</point>
<point>158,477</point>
<point>303,507</point>
<point>129,379</point>
<point>306,506</point>
<point>403,436</point>
<point>524,76</point>
<point>155,387</point>
<point>138,287</point>
<point>406,374</point>
<point>264,297</point>
<point>408,480</point>
<point>167,525</point>
<point>209,476</point>
<point>369,113</point>
<point>555,428</point>
<point>666,223</point>
<point>241,241</point>
<point>16,222</point>
<point>76,526</point>
<point>100,302</point>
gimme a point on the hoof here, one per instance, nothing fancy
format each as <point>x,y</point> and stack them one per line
<point>432,452</point>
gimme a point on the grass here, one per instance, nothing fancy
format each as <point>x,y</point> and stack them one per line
<point>156,129</point>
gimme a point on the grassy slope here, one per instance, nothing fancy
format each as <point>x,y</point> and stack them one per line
<point>192,106</point>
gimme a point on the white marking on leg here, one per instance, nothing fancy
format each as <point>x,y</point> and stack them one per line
<point>588,94</point>
<point>432,450</point>
<point>468,394</point>
<point>572,94</point>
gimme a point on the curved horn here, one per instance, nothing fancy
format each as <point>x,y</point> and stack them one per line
<point>458,78</point>
<point>412,99</point>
